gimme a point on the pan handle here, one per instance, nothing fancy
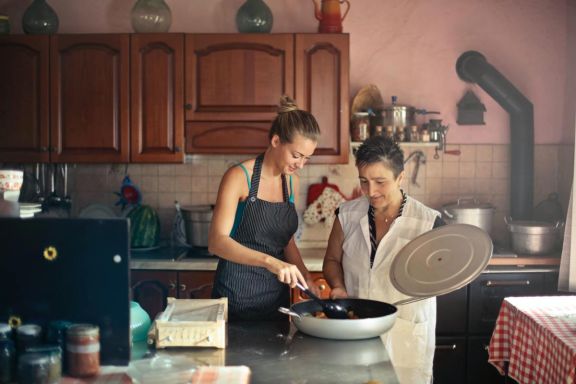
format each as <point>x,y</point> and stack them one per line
<point>289,312</point>
<point>411,300</point>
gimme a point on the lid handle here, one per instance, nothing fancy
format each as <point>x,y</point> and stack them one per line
<point>467,199</point>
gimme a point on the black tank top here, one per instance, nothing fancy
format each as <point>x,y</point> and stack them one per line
<point>254,293</point>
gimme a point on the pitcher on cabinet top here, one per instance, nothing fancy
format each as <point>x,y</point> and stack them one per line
<point>329,15</point>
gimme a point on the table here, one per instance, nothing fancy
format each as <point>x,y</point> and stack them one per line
<point>534,340</point>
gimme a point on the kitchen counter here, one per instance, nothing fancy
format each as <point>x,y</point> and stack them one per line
<point>198,259</point>
<point>276,352</point>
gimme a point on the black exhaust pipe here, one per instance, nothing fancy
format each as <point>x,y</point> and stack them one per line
<point>472,67</point>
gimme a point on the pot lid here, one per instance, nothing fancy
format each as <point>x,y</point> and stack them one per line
<point>441,261</point>
<point>468,204</point>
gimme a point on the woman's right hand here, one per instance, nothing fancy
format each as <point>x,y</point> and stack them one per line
<point>287,273</point>
<point>338,293</point>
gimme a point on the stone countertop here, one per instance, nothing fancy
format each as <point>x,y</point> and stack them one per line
<point>198,259</point>
<point>276,352</point>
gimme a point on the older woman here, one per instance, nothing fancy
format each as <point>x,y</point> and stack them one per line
<point>366,236</point>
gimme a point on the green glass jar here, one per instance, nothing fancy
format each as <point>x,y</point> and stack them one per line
<point>40,19</point>
<point>254,16</point>
<point>4,25</point>
<point>139,322</point>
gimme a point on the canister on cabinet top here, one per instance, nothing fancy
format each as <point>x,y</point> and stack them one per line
<point>4,25</point>
<point>360,126</point>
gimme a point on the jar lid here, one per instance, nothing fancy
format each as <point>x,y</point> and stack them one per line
<point>468,204</point>
<point>361,114</point>
<point>83,330</point>
<point>29,329</point>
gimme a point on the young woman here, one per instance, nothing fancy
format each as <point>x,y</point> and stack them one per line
<point>366,237</point>
<point>255,219</point>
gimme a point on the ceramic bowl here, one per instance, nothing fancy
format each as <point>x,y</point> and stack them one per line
<point>11,180</point>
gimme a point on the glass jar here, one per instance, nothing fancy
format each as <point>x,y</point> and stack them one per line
<point>54,365</point>
<point>7,361</point>
<point>360,126</point>
<point>5,331</point>
<point>151,16</point>
<point>4,25</point>
<point>83,348</point>
<point>56,335</point>
<point>389,133</point>
<point>414,134</point>
<point>28,336</point>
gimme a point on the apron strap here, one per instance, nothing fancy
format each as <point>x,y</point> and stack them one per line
<point>253,194</point>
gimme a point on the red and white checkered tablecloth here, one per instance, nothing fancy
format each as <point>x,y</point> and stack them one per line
<point>537,337</point>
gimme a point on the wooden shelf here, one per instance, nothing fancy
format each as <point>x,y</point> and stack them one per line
<point>356,144</point>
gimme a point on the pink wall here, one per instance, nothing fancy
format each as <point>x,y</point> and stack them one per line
<point>407,48</point>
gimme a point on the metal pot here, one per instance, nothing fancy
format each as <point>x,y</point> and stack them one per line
<point>402,115</point>
<point>197,219</point>
<point>469,211</point>
<point>533,237</point>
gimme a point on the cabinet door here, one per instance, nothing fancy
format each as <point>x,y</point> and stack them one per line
<point>488,291</point>
<point>450,360</point>
<point>451,310</point>
<point>322,82</point>
<point>321,284</point>
<point>90,98</point>
<point>480,371</point>
<point>157,98</point>
<point>24,119</point>
<point>152,288</point>
<point>233,86</point>
<point>195,284</point>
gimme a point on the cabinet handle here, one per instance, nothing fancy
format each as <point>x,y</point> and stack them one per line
<point>177,149</point>
<point>507,283</point>
<point>182,287</point>
<point>188,106</point>
<point>172,286</point>
<point>322,287</point>
<point>43,149</point>
<point>450,347</point>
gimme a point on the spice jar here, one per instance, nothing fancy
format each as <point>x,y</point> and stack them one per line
<point>414,134</point>
<point>40,366</point>
<point>360,126</point>
<point>389,132</point>
<point>83,347</point>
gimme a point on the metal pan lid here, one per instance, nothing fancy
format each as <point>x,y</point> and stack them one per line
<point>441,261</point>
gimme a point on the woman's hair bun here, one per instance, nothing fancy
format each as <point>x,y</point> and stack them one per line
<point>287,105</point>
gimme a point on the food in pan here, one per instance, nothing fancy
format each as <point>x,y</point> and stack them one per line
<point>322,315</point>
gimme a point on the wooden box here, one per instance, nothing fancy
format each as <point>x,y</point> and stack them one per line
<point>192,323</point>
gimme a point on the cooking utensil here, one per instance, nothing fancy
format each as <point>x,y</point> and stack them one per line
<point>332,309</point>
<point>197,219</point>
<point>469,211</point>
<point>435,263</point>
<point>533,237</point>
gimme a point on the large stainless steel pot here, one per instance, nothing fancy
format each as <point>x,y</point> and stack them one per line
<point>375,319</point>
<point>533,237</point>
<point>469,211</point>
<point>197,220</point>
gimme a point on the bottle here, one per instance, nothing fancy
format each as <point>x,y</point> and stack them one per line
<point>360,124</point>
<point>425,136</point>
<point>151,16</point>
<point>139,322</point>
<point>414,134</point>
<point>389,132</point>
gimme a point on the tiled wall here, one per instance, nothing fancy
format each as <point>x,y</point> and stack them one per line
<point>481,171</point>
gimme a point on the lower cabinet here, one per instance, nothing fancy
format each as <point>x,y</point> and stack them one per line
<point>466,319</point>
<point>151,289</point>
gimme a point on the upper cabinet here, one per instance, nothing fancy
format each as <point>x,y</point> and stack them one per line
<point>90,98</point>
<point>148,98</point>
<point>234,84</point>
<point>157,98</point>
<point>24,98</point>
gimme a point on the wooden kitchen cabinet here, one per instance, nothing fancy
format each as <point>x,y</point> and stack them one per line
<point>152,288</point>
<point>24,98</point>
<point>234,83</point>
<point>157,98</point>
<point>90,98</point>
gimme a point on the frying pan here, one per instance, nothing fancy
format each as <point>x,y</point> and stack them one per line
<point>436,263</point>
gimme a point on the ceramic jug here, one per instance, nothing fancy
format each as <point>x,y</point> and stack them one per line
<point>330,16</point>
